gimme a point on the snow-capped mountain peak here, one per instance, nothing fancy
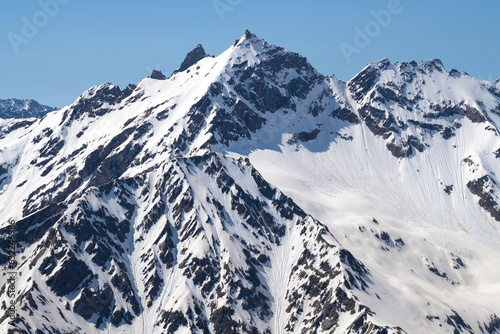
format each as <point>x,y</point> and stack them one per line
<point>16,108</point>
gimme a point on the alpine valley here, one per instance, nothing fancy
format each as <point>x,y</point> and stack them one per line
<point>248,193</point>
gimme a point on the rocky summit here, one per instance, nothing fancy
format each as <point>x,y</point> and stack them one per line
<point>248,193</point>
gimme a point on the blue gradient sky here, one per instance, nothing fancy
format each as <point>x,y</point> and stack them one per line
<point>90,42</point>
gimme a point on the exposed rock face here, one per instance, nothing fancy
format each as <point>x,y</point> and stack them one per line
<point>142,209</point>
<point>192,58</point>
<point>157,75</point>
<point>488,200</point>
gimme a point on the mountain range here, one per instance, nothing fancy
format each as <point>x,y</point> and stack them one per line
<point>15,108</point>
<point>249,193</point>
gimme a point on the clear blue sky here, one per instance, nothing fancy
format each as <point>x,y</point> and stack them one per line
<point>85,43</point>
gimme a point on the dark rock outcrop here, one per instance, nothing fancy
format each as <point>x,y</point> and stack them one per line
<point>157,75</point>
<point>194,56</point>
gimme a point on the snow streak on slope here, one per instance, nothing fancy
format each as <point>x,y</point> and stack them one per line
<point>248,193</point>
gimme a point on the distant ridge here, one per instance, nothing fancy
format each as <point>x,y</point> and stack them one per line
<point>17,108</point>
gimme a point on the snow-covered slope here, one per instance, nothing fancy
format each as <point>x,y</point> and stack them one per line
<point>248,193</point>
<point>14,108</point>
